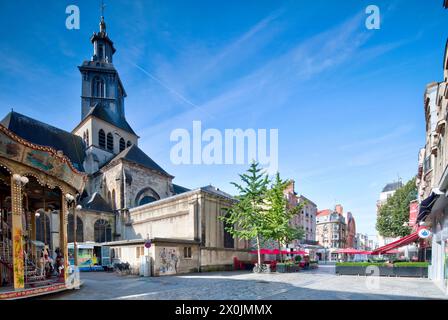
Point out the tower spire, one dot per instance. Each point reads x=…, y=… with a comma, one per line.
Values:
x=102, y=22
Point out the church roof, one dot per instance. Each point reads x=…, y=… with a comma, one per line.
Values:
x=44, y=134
x=216, y=191
x=136, y=155
x=179, y=189
x=392, y=186
x=96, y=203
x=99, y=112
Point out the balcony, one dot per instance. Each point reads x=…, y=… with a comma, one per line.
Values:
x=435, y=139
x=440, y=127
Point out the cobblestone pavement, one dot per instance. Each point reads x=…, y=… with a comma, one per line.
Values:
x=320, y=284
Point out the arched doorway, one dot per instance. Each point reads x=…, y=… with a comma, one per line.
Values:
x=102, y=231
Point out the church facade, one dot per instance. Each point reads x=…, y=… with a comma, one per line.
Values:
x=128, y=199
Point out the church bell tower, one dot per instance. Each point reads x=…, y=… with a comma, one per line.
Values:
x=103, y=123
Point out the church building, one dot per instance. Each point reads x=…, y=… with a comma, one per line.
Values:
x=128, y=199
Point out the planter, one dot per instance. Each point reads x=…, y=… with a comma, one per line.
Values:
x=281, y=268
x=351, y=270
x=416, y=272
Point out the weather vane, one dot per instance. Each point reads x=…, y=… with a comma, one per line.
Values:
x=102, y=8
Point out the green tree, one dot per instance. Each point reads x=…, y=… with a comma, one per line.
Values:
x=246, y=219
x=280, y=213
x=394, y=214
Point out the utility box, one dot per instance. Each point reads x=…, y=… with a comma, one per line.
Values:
x=145, y=266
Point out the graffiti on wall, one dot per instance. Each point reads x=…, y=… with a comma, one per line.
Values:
x=168, y=260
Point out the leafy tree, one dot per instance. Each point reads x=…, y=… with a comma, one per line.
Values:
x=279, y=214
x=394, y=214
x=246, y=219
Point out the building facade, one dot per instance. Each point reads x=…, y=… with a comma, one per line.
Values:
x=305, y=219
x=432, y=176
x=387, y=192
x=331, y=232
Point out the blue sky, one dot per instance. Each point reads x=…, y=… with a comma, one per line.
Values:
x=348, y=102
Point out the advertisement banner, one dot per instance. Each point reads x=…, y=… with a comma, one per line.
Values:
x=413, y=212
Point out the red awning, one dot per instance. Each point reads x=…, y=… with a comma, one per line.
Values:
x=269, y=251
x=352, y=251
x=298, y=252
x=398, y=243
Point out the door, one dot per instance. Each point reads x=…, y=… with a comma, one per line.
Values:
x=105, y=256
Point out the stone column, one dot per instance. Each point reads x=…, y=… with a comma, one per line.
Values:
x=55, y=227
x=63, y=224
x=17, y=234
x=32, y=234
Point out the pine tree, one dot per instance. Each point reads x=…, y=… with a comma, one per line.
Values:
x=246, y=219
x=279, y=214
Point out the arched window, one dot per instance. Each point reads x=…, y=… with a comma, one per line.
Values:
x=110, y=142
x=129, y=144
x=146, y=195
x=122, y=144
x=79, y=229
x=146, y=199
x=98, y=88
x=102, y=139
x=102, y=231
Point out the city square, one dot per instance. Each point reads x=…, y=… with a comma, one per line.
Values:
x=243, y=150
x=320, y=284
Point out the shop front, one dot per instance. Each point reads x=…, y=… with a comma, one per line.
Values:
x=439, y=265
x=37, y=188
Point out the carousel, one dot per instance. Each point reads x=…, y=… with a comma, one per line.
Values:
x=38, y=190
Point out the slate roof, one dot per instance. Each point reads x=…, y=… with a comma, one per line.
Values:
x=96, y=203
x=179, y=189
x=44, y=134
x=322, y=213
x=216, y=191
x=100, y=112
x=136, y=155
x=392, y=186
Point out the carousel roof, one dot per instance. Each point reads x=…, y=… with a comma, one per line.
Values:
x=46, y=135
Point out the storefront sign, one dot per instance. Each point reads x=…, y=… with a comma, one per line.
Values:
x=424, y=233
